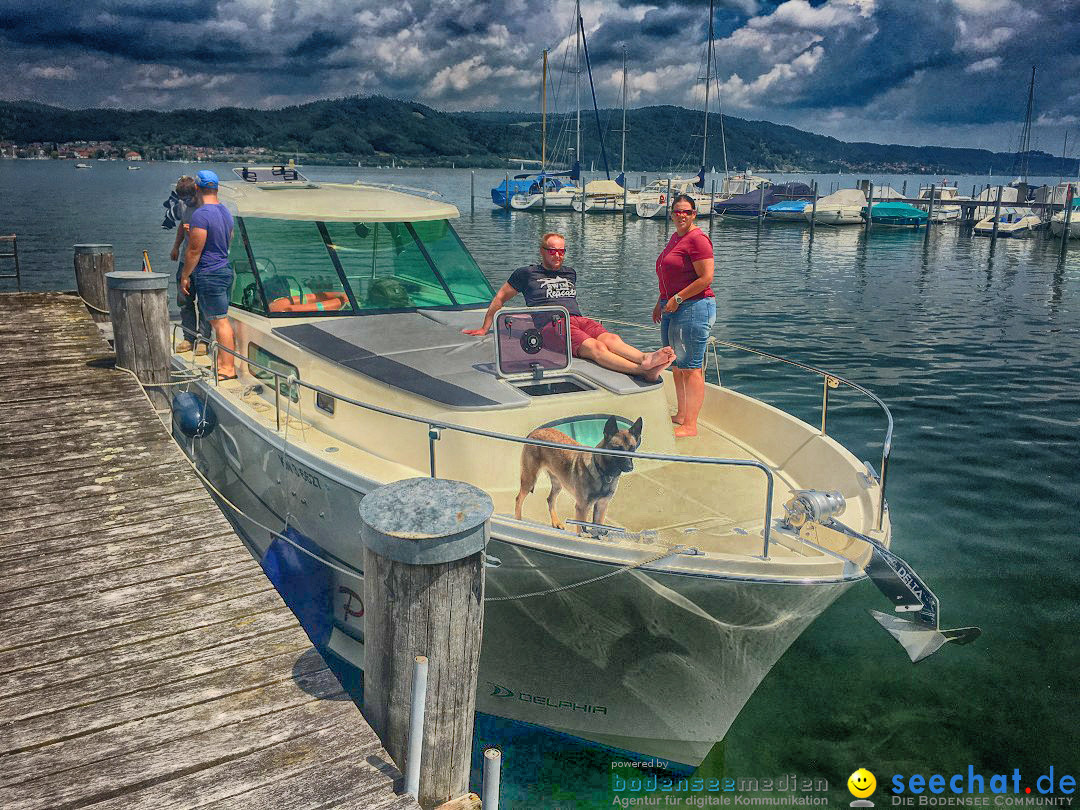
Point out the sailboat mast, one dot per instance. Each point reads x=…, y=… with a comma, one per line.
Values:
x=543, y=116
x=708, y=83
x=577, y=78
x=622, y=160
x=1025, y=138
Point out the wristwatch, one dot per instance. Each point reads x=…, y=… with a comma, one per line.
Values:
x=678, y=298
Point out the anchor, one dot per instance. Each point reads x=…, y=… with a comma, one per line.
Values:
x=813, y=514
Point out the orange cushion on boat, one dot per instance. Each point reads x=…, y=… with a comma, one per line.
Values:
x=309, y=302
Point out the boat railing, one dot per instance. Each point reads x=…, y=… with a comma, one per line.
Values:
x=830, y=381
x=436, y=426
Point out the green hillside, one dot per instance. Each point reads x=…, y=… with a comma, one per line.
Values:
x=374, y=129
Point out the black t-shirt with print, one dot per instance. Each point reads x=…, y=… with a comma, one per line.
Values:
x=543, y=287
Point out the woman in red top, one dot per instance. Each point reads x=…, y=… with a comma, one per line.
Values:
x=686, y=309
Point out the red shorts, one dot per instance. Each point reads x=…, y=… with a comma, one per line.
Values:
x=581, y=329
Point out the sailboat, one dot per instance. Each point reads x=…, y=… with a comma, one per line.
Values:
x=655, y=198
x=610, y=196
x=1023, y=154
x=549, y=190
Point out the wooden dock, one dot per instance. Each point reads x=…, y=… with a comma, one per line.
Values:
x=145, y=660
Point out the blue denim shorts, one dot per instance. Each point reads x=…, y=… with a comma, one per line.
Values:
x=687, y=331
x=212, y=290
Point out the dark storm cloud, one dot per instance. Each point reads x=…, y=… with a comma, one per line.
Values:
x=841, y=66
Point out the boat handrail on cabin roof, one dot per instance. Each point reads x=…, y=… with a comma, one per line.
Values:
x=330, y=202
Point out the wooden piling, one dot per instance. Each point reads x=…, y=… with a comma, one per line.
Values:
x=424, y=595
x=712, y=198
x=761, y=203
x=506, y=205
x=813, y=208
x=997, y=215
x=930, y=209
x=92, y=263
x=472, y=192
x=869, y=206
x=140, y=319
x=1066, y=219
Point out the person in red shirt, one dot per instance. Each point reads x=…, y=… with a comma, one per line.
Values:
x=686, y=309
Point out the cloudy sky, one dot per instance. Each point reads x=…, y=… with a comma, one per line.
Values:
x=949, y=72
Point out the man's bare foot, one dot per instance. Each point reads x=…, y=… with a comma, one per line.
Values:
x=652, y=373
x=682, y=431
x=660, y=357
x=678, y=420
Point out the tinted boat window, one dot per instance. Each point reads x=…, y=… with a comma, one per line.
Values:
x=385, y=266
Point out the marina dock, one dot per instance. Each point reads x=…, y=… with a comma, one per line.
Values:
x=145, y=659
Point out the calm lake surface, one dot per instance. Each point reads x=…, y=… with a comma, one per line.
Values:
x=976, y=351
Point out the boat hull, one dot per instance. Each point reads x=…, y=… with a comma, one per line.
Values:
x=655, y=662
x=1058, y=225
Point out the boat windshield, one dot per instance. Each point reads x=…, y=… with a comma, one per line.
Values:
x=291, y=268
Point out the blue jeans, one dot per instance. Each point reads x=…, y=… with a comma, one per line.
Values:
x=212, y=290
x=687, y=331
x=189, y=320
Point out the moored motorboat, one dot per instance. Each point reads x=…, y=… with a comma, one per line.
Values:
x=843, y=207
x=944, y=209
x=718, y=550
x=1014, y=221
x=788, y=211
x=753, y=204
x=894, y=215
x=1057, y=221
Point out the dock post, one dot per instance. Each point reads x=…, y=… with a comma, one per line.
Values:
x=424, y=595
x=997, y=216
x=472, y=192
x=761, y=204
x=667, y=206
x=712, y=198
x=92, y=262
x=1067, y=218
x=903, y=190
x=813, y=208
x=930, y=209
x=492, y=778
x=506, y=205
x=869, y=206
x=140, y=319
x=624, y=198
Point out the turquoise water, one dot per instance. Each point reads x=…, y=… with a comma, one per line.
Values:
x=974, y=348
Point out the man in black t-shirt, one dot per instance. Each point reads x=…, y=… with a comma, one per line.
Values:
x=550, y=283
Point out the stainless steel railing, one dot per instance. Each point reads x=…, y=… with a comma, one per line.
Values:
x=829, y=381
x=435, y=427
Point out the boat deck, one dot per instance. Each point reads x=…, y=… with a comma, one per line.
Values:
x=146, y=661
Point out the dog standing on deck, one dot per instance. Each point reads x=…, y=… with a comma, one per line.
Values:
x=591, y=477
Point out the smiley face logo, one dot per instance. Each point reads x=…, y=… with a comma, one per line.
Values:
x=861, y=783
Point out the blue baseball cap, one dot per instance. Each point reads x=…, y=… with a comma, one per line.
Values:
x=206, y=179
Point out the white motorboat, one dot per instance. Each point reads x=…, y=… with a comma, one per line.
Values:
x=990, y=196
x=546, y=193
x=348, y=307
x=1057, y=221
x=603, y=197
x=943, y=210
x=1012, y=221
x=843, y=207
x=83, y=166
x=653, y=200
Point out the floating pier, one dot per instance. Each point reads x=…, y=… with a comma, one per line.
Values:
x=145, y=659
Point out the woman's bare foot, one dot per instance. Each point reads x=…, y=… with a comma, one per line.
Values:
x=682, y=431
x=678, y=420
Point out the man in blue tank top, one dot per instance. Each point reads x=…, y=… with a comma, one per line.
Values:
x=206, y=266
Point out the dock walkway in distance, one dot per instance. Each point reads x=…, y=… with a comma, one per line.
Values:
x=145, y=659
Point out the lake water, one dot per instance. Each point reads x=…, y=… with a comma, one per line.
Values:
x=974, y=348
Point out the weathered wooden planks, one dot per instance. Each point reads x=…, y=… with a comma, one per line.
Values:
x=145, y=660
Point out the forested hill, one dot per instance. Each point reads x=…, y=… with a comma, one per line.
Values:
x=375, y=129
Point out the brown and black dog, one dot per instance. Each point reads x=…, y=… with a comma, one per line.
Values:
x=591, y=477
